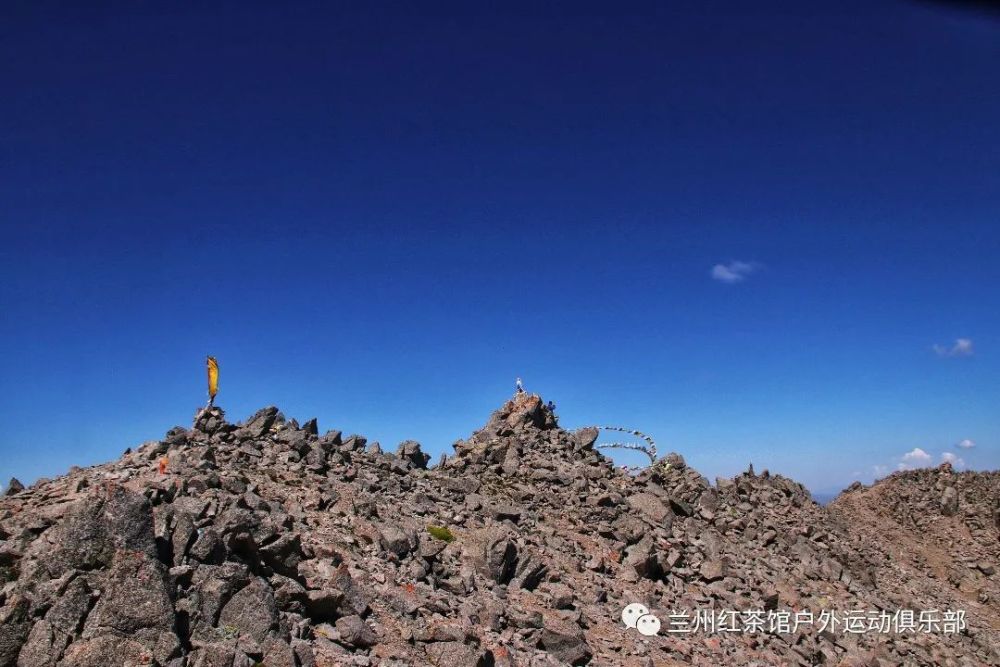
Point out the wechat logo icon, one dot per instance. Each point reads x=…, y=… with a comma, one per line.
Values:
x=637, y=616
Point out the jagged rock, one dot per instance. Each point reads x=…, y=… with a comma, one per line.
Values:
x=680, y=507
x=493, y=553
x=304, y=655
x=675, y=461
x=460, y=485
x=208, y=548
x=321, y=606
x=354, y=599
x=506, y=512
x=251, y=611
x=175, y=437
x=67, y=614
x=311, y=427
x=712, y=570
x=330, y=440
x=586, y=437
x=260, y=424
x=284, y=554
x=458, y=653
x=106, y=650
x=562, y=596
x=565, y=643
x=215, y=654
x=409, y=450
x=949, y=501
x=15, y=626
x=182, y=537
x=628, y=529
x=211, y=587
x=43, y=647
x=13, y=486
x=139, y=611
x=394, y=539
x=530, y=572
x=641, y=557
x=353, y=443
x=511, y=461
x=651, y=508
x=109, y=520
x=355, y=632
x=278, y=653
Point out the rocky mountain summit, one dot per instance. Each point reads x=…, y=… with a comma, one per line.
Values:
x=266, y=543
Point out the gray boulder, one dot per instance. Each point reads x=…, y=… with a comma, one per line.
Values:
x=135, y=600
x=14, y=628
x=949, y=501
x=409, y=450
x=355, y=632
x=251, y=611
x=13, y=486
x=565, y=643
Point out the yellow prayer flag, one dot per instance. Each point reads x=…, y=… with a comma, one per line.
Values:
x=213, y=378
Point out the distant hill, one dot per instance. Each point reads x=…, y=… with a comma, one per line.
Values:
x=822, y=497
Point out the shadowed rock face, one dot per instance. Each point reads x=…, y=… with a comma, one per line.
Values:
x=266, y=542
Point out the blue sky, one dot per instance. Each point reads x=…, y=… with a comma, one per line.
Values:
x=756, y=234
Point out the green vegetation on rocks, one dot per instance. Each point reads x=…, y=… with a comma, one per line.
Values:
x=441, y=533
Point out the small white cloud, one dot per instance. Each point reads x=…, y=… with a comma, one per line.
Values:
x=916, y=457
x=961, y=348
x=950, y=457
x=911, y=460
x=734, y=272
x=965, y=444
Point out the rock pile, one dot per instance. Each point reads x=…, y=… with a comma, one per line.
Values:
x=266, y=543
x=932, y=540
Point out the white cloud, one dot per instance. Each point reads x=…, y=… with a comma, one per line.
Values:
x=961, y=348
x=965, y=444
x=916, y=457
x=734, y=272
x=950, y=457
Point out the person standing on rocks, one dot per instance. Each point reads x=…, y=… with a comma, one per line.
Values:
x=518, y=387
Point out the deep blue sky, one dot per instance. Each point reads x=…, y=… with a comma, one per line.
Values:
x=381, y=217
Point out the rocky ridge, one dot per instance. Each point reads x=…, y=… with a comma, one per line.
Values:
x=267, y=543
